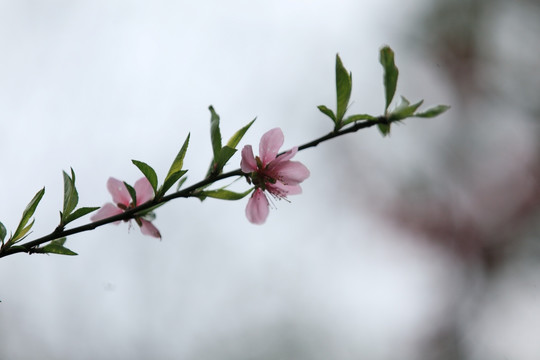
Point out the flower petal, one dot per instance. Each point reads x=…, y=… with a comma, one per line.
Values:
x=284, y=157
x=118, y=191
x=106, y=211
x=144, y=191
x=248, y=163
x=293, y=189
x=269, y=146
x=291, y=172
x=257, y=207
x=147, y=228
x=281, y=190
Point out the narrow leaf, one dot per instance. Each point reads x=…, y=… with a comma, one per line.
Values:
x=179, y=160
x=404, y=110
x=357, y=117
x=169, y=182
x=71, y=197
x=390, y=76
x=215, y=133
x=148, y=172
x=3, y=232
x=224, y=194
x=235, y=139
x=326, y=111
x=180, y=183
x=132, y=192
x=79, y=213
x=22, y=233
x=60, y=241
x=224, y=155
x=404, y=103
x=384, y=129
x=432, y=112
x=343, y=90
x=28, y=212
x=56, y=247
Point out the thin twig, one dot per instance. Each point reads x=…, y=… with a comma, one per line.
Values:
x=59, y=233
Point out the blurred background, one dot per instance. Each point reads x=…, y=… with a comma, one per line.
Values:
x=421, y=245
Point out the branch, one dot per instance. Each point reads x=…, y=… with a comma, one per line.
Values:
x=29, y=247
x=221, y=155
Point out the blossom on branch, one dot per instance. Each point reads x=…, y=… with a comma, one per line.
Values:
x=270, y=172
x=122, y=202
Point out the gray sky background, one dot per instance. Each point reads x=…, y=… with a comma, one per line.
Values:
x=94, y=84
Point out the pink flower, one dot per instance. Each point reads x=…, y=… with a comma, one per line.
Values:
x=271, y=172
x=122, y=199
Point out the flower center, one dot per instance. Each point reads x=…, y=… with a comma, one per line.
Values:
x=260, y=179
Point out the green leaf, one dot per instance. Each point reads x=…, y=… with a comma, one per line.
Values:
x=56, y=247
x=326, y=111
x=22, y=233
x=148, y=172
x=71, y=197
x=31, y=207
x=131, y=192
x=169, y=182
x=235, y=139
x=432, y=112
x=179, y=160
x=27, y=214
x=3, y=232
x=215, y=133
x=384, y=129
x=357, y=117
x=60, y=241
x=79, y=213
x=343, y=90
x=404, y=103
x=180, y=183
x=224, y=155
x=223, y=194
x=390, y=76
x=404, y=110
x=175, y=172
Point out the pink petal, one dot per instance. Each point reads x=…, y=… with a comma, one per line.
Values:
x=284, y=157
x=248, y=163
x=144, y=191
x=281, y=190
x=257, y=207
x=269, y=146
x=106, y=211
x=118, y=191
x=291, y=172
x=147, y=228
x=293, y=189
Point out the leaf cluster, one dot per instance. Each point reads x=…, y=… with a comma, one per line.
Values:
x=222, y=154
x=390, y=77
x=71, y=199
x=173, y=175
x=25, y=225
